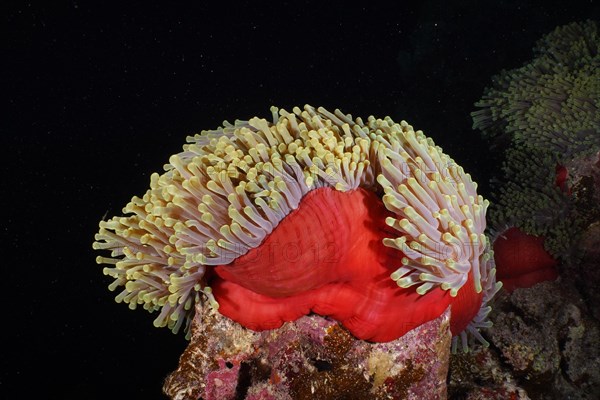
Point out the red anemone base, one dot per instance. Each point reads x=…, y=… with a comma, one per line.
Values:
x=522, y=261
x=327, y=257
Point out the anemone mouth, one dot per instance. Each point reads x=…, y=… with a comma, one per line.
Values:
x=230, y=188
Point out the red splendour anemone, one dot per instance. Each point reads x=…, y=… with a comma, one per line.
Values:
x=368, y=223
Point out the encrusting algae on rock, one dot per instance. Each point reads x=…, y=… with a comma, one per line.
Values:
x=311, y=358
x=367, y=222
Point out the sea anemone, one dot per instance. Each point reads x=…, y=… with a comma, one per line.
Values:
x=552, y=102
x=368, y=222
x=547, y=112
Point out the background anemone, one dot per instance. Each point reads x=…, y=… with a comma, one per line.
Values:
x=233, y=188
x=547, y=114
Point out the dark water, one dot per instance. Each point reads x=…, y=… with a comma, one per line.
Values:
x=95, y=99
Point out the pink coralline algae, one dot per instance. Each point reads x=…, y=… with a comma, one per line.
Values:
x=311, y=358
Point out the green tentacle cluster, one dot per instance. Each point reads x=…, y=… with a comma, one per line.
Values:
x=549, y=112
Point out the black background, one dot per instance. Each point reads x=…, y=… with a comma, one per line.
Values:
x=97, y=96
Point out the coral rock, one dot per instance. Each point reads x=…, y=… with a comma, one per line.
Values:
x=544, y=345
x=549, y=342
x=480, y=375
x=587, y=275
x=311, y=358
